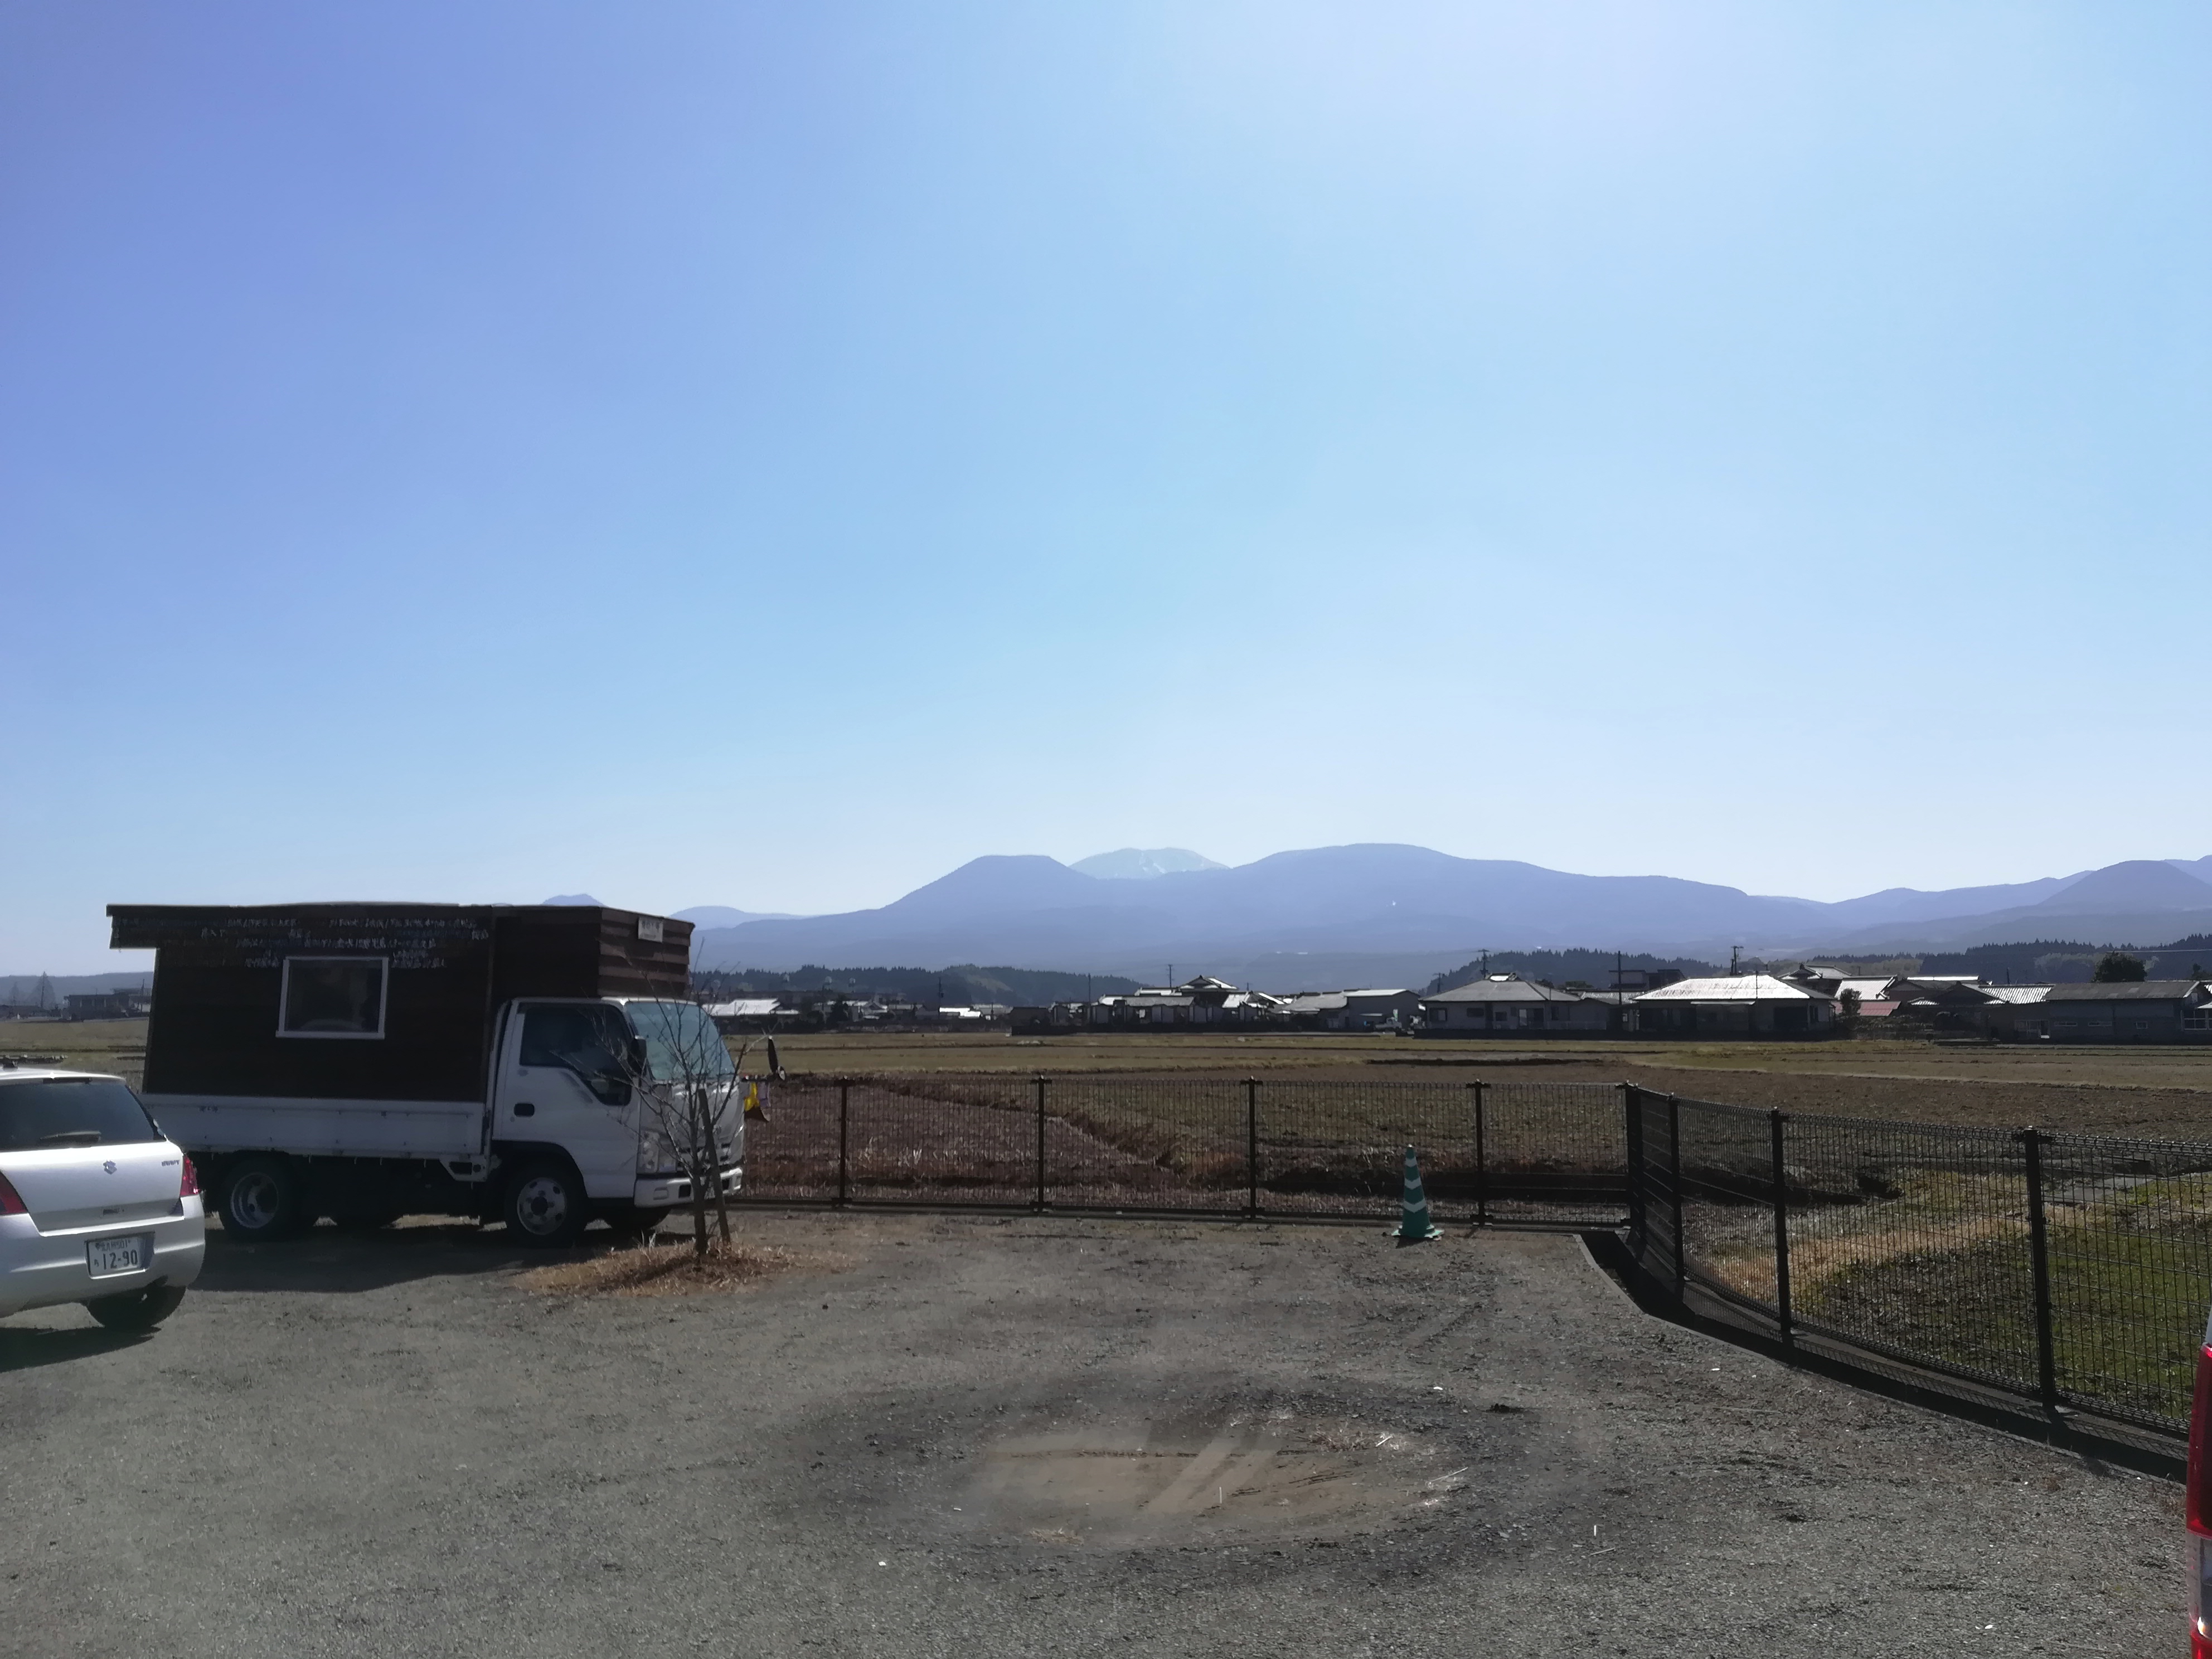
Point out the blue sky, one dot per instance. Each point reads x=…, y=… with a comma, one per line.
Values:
x=767, y=455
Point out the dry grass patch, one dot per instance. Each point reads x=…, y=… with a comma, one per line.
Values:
x=674, y=1270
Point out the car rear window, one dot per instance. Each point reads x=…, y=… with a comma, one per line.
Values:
x=55, y=1112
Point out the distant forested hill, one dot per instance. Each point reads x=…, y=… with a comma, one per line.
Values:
x=2066, y=962
x=933, y=986
x=1590, y=968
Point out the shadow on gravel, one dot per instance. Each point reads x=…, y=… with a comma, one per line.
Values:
x=25, y=1350
x=330, y=1260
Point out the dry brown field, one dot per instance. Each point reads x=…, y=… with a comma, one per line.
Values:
x=2162, y=1092
x=2165, y=1092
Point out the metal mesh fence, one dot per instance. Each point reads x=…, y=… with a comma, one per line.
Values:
x=1724, y=1177
x=793, y=1156
x=1123, y=1143
x=1914, y=1240
x=2128, y=1240
x=1337, y=1149
x=2070, y=1270
x=1541, y=1152
x=1552, y=1153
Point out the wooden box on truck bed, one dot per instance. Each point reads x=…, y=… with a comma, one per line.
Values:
x=220, y=979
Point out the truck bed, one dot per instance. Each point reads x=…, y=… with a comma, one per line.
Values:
x=438, y=1129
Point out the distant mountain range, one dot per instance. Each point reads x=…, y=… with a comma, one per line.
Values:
x=1382, y=912
x=1387, y=914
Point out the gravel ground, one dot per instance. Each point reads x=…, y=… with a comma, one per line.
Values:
x=945, y=1435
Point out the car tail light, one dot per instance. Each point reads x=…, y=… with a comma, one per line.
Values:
x=190, y=1189
x=2200, y=1505
x=10, y=1202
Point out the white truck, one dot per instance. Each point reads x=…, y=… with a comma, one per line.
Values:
x=539, y=1065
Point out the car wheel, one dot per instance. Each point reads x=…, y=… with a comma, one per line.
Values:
x=262, y=1200
x=136, y=1310
x=545, y=1206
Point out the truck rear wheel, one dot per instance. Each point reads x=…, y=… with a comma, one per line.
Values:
x=545, y=1206
x=262, y=1200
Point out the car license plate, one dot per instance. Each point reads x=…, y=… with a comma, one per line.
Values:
x=107, y=1257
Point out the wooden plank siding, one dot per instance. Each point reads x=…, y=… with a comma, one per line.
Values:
x=218, y=974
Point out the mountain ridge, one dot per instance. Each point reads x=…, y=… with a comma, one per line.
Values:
x=1409, y=904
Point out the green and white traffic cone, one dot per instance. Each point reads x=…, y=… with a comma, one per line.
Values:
x=1414, y=1226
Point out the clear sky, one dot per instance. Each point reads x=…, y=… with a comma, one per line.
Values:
x=767, y=455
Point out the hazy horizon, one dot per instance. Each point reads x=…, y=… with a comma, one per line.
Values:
x=723, y=454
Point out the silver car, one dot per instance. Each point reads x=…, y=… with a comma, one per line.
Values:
x=97, y=1205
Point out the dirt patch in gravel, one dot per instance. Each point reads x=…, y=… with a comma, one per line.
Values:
x=675, y=1269
x=1124, y=1480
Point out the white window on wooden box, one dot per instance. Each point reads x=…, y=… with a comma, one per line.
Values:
x=332, y=997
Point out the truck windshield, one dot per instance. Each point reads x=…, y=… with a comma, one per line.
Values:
x=681, y=1043
x=56, y=1112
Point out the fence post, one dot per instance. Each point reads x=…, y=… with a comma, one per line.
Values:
x=1251, y=1148
x=1775, y=1120
x=1674, y=1188
x=1481, y=1159
x=2038, y=1254
x=1632, y=1129
x=1040, y=1138
x=844, y=1093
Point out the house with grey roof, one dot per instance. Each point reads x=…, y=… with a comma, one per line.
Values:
x=1505, y=1004
x=1371, y=1010
x=2141, y=1010
x=1734, y=1006
x=1198, y=1005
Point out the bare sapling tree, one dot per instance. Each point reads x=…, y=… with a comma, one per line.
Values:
x=692, y=1098
x=686, y=1090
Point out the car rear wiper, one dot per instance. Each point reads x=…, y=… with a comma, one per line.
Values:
x=71, y=1137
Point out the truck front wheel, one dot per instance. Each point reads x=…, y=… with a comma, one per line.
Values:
x=262, y=1200
x=545, y=1206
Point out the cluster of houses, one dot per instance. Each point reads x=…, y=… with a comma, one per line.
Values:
x=83, y=1004
x=747, y=1016
x=2137, y=1010
x=1809, y=1001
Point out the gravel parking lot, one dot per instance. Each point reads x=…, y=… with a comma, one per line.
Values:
x=947, y=1434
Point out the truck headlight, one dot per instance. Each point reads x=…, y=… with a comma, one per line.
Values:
x=656, y=1153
